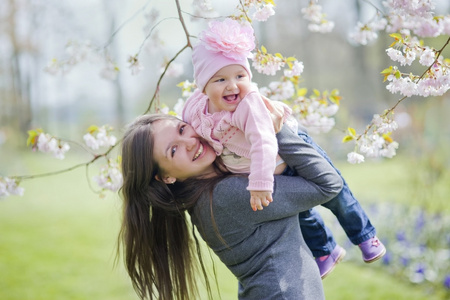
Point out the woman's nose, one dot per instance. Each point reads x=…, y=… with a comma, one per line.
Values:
x=190, y=143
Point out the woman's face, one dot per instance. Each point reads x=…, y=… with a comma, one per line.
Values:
x=180, y=152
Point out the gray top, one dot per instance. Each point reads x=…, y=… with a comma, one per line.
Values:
x=265, y=249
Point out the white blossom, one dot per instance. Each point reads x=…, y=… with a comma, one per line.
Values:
x=99, y=138
x=110, y=71
x=91, y=141
x=427, y=58
x=53, y=67
x=178, y=107
x=278, y=91
x=297, y=69
x=135, y=65
x=390, y=150
x=396, y=55
x=263, y=13
x=313, y=13
x=110, y=177
x=164, y=110
x=445, y=23
x=317, y=123
x=270, y=67
x=355, y=158
x=384, y=125
x=10, y=186
x=174, y=70
x=366, y=33
x=49, y=144
x=324, y=27
x=203, y=9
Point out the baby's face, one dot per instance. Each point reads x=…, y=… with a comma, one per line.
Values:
x=227, y=88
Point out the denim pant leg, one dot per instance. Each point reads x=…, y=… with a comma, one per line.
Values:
x=345, y=207
x=318, y=237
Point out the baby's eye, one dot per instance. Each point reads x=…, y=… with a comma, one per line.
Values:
x=220, y=80
x=181, y=130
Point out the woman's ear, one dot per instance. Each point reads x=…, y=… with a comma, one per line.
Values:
x=166, y=179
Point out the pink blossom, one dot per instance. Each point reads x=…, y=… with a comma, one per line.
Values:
x=232, y=39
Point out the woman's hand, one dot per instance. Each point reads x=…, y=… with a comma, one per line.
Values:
x=276, y=111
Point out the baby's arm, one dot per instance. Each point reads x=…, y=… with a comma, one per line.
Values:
x=254, y=120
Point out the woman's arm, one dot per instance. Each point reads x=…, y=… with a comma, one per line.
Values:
x=296, y=152
x=317, y=183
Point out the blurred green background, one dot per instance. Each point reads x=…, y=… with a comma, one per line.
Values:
x=58, y=240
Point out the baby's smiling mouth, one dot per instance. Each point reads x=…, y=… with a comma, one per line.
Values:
x=199, y=152
x=231, y=97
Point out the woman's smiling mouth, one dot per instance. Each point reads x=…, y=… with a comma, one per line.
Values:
x=199, y=152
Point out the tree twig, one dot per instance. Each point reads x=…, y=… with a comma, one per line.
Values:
x=403, y=98
x=125, y=23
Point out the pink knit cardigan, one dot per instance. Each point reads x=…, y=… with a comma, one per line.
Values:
x=248, y=132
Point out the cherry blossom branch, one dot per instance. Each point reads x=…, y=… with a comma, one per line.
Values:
x=106, y=153
x=438, y=53
x=78, y=144
x=60, y=171
x=388, y=111
x=244, y=11
x=161, y=77
x=183, y=24
x=196, y=16
x=188, y=45
x=151, y=31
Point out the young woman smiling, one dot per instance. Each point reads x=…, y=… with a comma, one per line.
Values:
x=170, y=173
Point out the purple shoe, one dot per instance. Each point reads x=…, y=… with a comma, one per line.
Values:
x=372, y=249
x=327, y=263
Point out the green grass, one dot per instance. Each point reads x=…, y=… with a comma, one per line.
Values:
x=351, y=282
x=58, y=240
x=405, y=180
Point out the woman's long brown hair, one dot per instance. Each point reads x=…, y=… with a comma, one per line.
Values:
x=161, y=252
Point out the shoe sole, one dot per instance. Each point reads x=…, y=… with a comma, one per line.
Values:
x=376, y=257
x=338, y=260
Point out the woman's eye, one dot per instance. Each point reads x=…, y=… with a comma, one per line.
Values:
x=172, y=151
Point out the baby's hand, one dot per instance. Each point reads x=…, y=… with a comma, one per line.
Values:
x=259, y=199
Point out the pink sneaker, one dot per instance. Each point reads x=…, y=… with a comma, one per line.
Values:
x=327, y=263
x=372, y=249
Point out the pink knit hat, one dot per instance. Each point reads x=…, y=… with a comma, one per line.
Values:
x=224, y=43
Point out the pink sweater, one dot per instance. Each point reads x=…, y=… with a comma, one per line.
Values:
x=248, y=132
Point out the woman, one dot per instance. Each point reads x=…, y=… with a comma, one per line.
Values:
x=168, y=171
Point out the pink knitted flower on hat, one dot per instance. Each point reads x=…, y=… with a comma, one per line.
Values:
x=232, y=39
